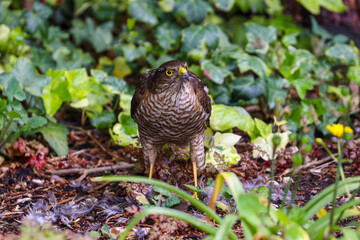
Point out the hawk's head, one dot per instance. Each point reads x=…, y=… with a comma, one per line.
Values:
x=171, y=73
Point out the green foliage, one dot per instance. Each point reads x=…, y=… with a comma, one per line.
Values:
x=251, y=210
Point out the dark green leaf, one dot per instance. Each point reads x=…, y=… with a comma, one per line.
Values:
x=13, y=114
x=116, y=85
x=131, y=52
x=215, y=73
x=253, y=63
x=276, y=91
x=3, y=103
x=341, y=53
x=316, y=29
x=103, y=121
x=28, y=79
x=248, y=87
x=168, y=35
x=302, y=85
x=33, y=123
x=259, y=38
x=144, y=11
x=162, y=191
x=225, y=5
x=194, y=11
x=14, y=90
x=56, y=135
x=194, y=35
x=172, y=201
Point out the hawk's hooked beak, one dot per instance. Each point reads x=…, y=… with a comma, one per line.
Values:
x=184, y=74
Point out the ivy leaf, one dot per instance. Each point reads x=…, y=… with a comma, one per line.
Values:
x=25, y=74
x=121, y=138
x=259, y=38
x=168, y=35
x=131, y=52
x=316, y=29
x=14, y=90
x=215, y=73
x=256, y=6
x=102, y=121
x=102, y=39
x=56, y=135
x=4, y=37
x=194, y=35
x=353, y=74
x=225, y=5
x=333, y=5
x=194, y=11
x=302, y=85
x=114, y=85
x=312, y=6
x=341, y=53
x=33, y=123
x=78, y=83
x=276, y=91
x=253, y=63
x=264, y=129
x=56, y=92
x=121, y=68
x=248, y=87
x=225, y=118
x=42, y=59
x=171, y=201
x=144, y=11
x=127, y=124
x=3, y=104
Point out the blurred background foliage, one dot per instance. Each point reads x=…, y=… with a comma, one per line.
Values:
x=267, y=57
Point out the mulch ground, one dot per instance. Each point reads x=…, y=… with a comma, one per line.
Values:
x=70, y=200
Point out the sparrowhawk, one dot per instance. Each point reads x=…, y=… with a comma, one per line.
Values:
x=170, y=105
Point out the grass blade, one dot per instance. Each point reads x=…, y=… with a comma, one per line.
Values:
x=225, y=226
x=170, y=213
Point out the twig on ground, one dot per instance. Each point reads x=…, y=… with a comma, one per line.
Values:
x=86, y=171
x=75, y=153
x=305, y=166
x=95, y=140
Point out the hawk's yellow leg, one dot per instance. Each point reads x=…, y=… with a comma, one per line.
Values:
x=151, y=170
x=195, y=179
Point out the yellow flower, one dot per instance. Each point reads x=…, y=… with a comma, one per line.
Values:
x=336, y=129
x=348, y=130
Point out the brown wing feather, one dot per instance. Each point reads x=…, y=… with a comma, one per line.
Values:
x=201, y=94
x=140, y=90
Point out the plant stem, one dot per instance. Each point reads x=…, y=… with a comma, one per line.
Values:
x=287, y=188
x=293, y=194
x=5, y=129
x=82, y=118
x=341, y=168
x=336, y=187
x=116, y=103
x=271, y=181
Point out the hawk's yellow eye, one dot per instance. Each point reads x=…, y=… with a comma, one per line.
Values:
x=169, y=72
